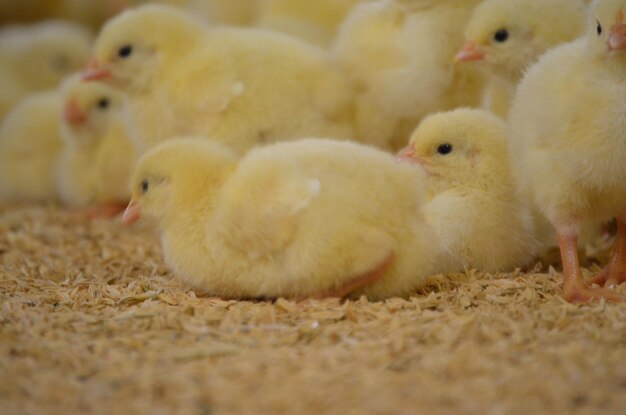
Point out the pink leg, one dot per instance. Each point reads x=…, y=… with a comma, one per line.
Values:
x=574, y=289
x=615, y=272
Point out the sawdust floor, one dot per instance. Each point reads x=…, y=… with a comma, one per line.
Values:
x=92, y=322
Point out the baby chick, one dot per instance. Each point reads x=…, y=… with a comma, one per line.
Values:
x=308, y=218
x=29, y=147
x=507, y=36
x=568, y=121
x=399, y=55
x=37, y=57
x=315, y=21
x=242, y=87
x=98, y=157
x=481, y=222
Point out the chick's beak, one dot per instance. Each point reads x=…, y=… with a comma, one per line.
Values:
x=95, y=72
x=617, y=37
x=72, y=113
x=132, y=213
x=408, y=154
x=469, y=52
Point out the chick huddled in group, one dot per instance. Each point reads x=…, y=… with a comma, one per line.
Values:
x=568, y=122
x=315, y=21
x=507, y=36
x=37, y=57
x=29, y=147
x=239, y=86
x=473, y=206
x=400, y=57
x=308, y=218
x=98, y=157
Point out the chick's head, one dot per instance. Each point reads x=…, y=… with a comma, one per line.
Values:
x=606, y=34
x=178, y=177
x=51, y=51
x=134, y=46
x=505, y=36
x=463, y=149
x=88, y=110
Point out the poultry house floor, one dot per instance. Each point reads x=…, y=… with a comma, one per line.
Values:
x=92, y=322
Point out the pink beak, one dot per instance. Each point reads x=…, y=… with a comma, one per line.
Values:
x=95, y=72
x=617, y=37
x=469, y=52
x=408, y=154
x=132, y=213
x=72, y=113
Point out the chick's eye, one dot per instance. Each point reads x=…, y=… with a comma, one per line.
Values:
x=125, y=51
x=144, y=186
x=444, y=149
x=599, y=28
x=103, y=103
x=501, y=35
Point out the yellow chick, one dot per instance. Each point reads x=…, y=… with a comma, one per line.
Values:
x=29, y=147
x=315, y=21
x=479, y=218
x=507, y=36
x=308, y=218
x=37, y=57
x=242, y=87
x=97, y=160
x=568, y=121
x=399, y=55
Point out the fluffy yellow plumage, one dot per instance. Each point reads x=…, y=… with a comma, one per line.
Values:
x=315, y=21
x=568, y=121
x=98, y=157
x=314, y=217
x=400, y=57
x=29, y=147
x=242, y=87
x=507, y=36
x=37, y=57
x=473, y=206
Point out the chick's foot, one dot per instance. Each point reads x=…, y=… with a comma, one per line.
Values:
x=574, y=288
x=614, y=273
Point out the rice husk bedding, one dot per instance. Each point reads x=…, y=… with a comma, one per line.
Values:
x=91, y=321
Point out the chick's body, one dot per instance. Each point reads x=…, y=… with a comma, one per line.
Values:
x=473, y=205
x=239, y=86
x=400, y=58
x=29, y=147
x=98, y=156
x=568, y=121
x=315, y=21
x=291, y=219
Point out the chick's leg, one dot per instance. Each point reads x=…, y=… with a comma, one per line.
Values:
x=359, y=282
x=615, y=272
x=574, y=289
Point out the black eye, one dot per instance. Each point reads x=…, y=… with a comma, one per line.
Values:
x=599, y=28
x=103, y=103
x=501, y=35
x=144, y=186
x=444, y=149
x=125, y=51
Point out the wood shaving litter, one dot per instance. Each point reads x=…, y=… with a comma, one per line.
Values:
x=91, y=321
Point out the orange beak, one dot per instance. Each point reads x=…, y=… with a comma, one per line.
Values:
x=408, y=154
x=95, y=72
x=469, y=52
x=72, y=113
x=132, y=213
x=617, y=36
